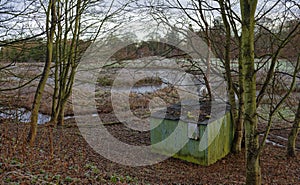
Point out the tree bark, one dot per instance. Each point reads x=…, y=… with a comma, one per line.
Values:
x=253, y=172
x=291, y=147
x=61, y=115
x=68, y=56
x=50, y=28
x=238, y=134
x=239, y=130
x=58, y=49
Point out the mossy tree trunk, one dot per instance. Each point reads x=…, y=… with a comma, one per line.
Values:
x=237, y=115
x=58, y=48
x=291, y=147
x=50, y=29
x=67, y=54
x=253, y=171
x=239, y=122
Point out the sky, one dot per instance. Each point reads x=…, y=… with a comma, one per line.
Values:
x=136, y=19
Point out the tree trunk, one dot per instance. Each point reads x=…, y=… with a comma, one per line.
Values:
x=68, y=56
x=50, y=27
x=291, y=148
x=253, y=172
x=61, y=115
x=238, y=134
x=58, y=49
x=239, y=130
x=208, y=67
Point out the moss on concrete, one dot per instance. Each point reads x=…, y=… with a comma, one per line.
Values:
x=169, y=137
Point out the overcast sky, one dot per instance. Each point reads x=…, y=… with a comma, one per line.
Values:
x=136, y=19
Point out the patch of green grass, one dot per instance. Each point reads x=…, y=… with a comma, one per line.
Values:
x=68, y=179
x=121, y=179
x=105, y=81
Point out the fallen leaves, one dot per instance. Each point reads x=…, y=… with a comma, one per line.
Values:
x=74, y=162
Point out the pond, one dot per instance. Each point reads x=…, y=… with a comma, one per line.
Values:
x=142, y=89
x=22, y=115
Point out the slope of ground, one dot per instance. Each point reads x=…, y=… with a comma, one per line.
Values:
x=75, y=162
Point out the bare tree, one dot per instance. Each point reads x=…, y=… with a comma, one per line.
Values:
x=15, y=34
x=291, y=147
x=69, y=49
x=64, y=28
x=66, y=54
x=235, y=86
x=194, y=13
x=240, y=34
x=51, y=21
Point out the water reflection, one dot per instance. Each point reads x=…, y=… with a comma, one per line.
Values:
x=22, y=115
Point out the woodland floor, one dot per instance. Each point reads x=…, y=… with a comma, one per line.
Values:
x=75, y=162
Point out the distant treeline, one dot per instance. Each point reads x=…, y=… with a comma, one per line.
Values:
x=265, y=43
